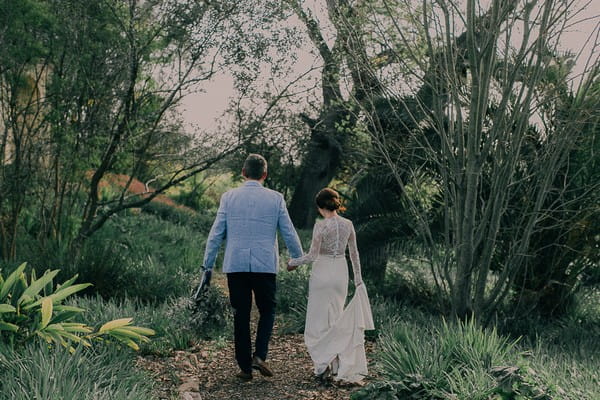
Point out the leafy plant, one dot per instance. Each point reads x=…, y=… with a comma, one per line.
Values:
x=32, y=308
x=37, y=371
x=292, y=296
x=139, y=256
x=211, y=316
x=440, y=362
x=169, y=321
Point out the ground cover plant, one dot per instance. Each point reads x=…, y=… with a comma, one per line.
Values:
x=37, y=371
x=141, y=256
x=32, y=308
x=179, y=325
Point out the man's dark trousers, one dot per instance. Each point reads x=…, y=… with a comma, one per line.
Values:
x=241, y=286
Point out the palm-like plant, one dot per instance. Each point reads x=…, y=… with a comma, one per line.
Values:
x=32, y=308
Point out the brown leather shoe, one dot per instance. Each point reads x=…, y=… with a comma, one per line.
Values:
x=261, y=366
x=244, y=376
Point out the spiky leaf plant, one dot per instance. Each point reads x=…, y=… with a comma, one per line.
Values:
x=33, y=308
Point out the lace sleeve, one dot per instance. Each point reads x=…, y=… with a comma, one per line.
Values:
x=354, y=257
x=315, y=247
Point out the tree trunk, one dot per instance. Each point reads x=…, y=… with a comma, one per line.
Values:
x=319, y=166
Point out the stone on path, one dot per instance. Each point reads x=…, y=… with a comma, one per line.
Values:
x=191, y=396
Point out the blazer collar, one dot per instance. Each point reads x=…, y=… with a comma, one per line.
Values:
x=252, y=184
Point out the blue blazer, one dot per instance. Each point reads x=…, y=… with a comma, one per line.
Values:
x=248, y=219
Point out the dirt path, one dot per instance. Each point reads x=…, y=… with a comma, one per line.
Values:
x=207, y=371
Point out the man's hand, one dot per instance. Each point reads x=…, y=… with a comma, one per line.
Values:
x=291, y=267
x=206, y=276
x=203, y=285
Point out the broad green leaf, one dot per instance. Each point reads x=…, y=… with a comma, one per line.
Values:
x=10, y=281
x=46, y=336
x=37, y=285
x=67, y=283
x=7, y=326
x=127, y=333
x=126, y=340
x=60, y=295
x=74, y=309
x=54, y=327
x=46, y=312
x=116, y=323
x=68, y=336
x=141, y=330
x=60, y=317
x=76, y=327
x=6, y=308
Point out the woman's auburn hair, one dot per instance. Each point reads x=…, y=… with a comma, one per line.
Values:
x=329, y=199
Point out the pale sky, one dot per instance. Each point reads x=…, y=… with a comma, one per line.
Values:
x=205, y=108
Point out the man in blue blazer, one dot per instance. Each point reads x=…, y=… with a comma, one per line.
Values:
x=248, y=218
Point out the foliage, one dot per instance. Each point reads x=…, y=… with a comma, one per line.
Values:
x=211, y=315
x=505, y=187
x=94, y=92
x=176, y=324
x=31, y=309
x=140, y=256
x=203, y=191
x=421, y=356
x=410, y=281
x=37, y=371
x=292, y=296
x=199, y=221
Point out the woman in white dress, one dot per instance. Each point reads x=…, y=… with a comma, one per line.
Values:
x=334, y=335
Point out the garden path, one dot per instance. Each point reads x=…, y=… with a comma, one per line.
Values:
x=206, y=372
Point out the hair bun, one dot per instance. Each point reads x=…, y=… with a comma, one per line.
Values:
x=329, y=199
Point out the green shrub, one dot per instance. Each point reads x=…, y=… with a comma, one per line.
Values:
x=384, y=311
x=140, y=256
x=175, y=321
x=292, y=296
x=37, y=371
x=408, y=280
x=211, y=315
x=199, y=220
x=32, y=308
x=446, y=360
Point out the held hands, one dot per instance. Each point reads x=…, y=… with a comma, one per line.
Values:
x=291, y=267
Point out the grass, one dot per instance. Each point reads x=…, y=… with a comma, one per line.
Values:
x=101, y=373
x=143, y=265
x=140, y=256
x=292, y=295
x=177, y=325
x=422, y=356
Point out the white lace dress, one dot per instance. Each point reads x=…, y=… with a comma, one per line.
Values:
x=334, y=335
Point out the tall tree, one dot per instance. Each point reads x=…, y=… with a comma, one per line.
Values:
x=24, y=70
x=470, y=125
x=332, y=129
x=94, y=92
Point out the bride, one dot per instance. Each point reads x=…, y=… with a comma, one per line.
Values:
x=334, y=335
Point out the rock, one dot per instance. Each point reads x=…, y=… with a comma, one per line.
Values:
x=189, y=386
x=190, y=396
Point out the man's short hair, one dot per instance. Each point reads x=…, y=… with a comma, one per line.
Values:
x=255, y=166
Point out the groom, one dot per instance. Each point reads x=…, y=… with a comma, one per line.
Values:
x=249, y=217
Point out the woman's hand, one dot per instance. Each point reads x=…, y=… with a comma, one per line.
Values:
x=291, y=267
